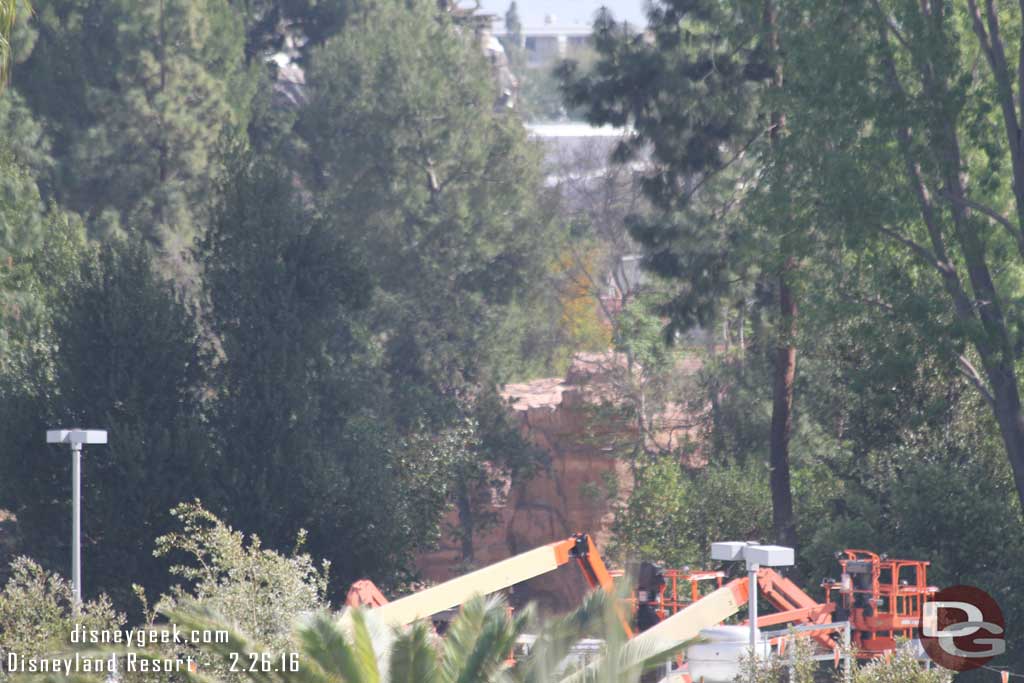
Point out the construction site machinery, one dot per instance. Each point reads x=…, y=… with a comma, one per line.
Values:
x=878, y=599
x=578, y=548
x=792, y=603
x=881, y=597
x=659, y=593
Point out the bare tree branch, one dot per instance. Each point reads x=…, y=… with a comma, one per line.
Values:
x=991, y=213
x=920, y=250
x=990, y=38
x=891, y=24
x=938, y=257
x=732, y=160
x=968, y=370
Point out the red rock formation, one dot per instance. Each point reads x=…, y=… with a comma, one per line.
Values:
x=572, y=494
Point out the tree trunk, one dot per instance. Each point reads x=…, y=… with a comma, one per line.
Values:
x=782, y=417
x=785, y=353
x=464, y=508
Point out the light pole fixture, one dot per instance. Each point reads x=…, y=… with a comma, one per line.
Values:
x=75, y=438
x=756, y=556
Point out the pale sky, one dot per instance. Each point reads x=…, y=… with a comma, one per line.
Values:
x=532, y=12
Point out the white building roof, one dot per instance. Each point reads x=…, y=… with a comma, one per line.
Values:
x=567, y=12
x=552, y=30
x=572, y=129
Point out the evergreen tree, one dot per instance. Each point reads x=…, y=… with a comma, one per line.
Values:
x=441, y=197
x=437, y=192
x=298, y=405
x=513, y=26
x=700, y=94
x=25, y=139
x=139, y=94
x=308, y=23
x=148, y=157
x=126, y=357
x=23, y=226
x=75, y=50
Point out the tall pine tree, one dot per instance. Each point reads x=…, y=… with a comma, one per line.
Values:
x=139, y=94
x=695, y=95
x=443, y=199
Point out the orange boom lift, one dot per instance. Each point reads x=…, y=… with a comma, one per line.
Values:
x=882, y=599
x=578, y=548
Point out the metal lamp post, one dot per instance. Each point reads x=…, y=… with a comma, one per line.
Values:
x=75, y=438
x=755, y=556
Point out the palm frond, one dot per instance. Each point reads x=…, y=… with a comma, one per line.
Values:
x=413, y=657
x=597, y=616
x=637, y=656
x=479, y=641
x=343, y=657
x=200, y=619
x=556, y=639
x=8, y=16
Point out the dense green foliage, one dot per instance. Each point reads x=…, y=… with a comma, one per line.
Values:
x=137, y=95
x=36, y=613
x=296, y=408
x=881, y=177
x=188, y=261
x=286, y=252
x=437, y=195
x=138, y=372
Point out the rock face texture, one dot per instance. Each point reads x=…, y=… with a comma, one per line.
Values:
x=569, y=419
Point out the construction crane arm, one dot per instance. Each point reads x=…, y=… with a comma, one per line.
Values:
x=499, y=576
x=793, y=603
x=712, y=609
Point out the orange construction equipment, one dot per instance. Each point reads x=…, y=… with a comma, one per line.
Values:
x=882, y=598
x=498, y=576
x=364, y=593
x=792, y=603
x=673, y=590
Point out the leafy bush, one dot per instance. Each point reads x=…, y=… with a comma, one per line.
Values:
x=254, y=589
x=674, y=515
x=901, y=667
x=36, y=615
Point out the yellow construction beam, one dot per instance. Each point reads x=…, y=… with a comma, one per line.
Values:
x=713, y=608
x=480, y=582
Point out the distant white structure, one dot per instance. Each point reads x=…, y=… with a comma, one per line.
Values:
x=575, y=150
x=572, y=129
x=533, y=12
x=290, y=78
x=550, y=41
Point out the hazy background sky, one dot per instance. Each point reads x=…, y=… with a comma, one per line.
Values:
x=532, y=12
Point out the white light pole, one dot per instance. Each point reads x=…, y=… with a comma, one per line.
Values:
x=755, y=556
x=75, y=438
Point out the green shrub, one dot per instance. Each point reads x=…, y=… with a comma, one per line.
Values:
x=36, y=616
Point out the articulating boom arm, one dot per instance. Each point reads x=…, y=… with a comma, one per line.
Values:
x=794, y=605
x=499, y=576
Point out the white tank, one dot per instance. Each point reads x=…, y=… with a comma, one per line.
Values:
x=717, y=660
